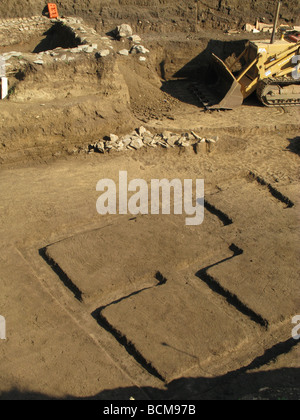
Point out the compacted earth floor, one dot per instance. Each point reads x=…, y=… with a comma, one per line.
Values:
x=144, y=306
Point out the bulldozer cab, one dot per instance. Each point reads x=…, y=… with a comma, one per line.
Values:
x=224, y=91
x=227, y=84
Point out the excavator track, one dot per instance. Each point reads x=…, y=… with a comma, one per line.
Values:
x=279, y=91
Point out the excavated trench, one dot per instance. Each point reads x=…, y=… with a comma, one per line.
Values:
x=92, y=100
x=191, y=58
x=182, y=70
x=37, y=37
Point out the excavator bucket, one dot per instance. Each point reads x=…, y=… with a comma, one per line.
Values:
x=224, y=92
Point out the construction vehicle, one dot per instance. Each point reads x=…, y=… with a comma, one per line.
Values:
x=269, y=68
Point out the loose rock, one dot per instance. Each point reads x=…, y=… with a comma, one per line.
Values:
x=142, y=130
x=124, y=31
x=141, y=137
x=103, y=53
x=113, y=138
x=124, y=52
x=139, y=49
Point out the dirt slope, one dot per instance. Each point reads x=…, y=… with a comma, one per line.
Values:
x=118, y=306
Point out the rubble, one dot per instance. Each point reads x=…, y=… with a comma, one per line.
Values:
x=14, y=31
x=263, y=27
x=113, y=138
x=103, y=53
x=123, y=31
x=135, y=38
x=137, y=143
x=123, y=52
x=139, y=49
x=142, y=130
x=84, y=40
x=201, y=140
x=142, y=137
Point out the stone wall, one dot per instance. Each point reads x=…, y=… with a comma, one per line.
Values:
x=15, y=31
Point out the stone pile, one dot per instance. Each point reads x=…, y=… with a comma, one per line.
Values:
x=142, y=137
x=87, y=39
x=84, y=34
x=124, y=32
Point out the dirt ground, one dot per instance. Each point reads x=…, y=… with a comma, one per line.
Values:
x=143, y=306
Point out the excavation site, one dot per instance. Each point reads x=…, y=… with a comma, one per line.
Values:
x=149, y=181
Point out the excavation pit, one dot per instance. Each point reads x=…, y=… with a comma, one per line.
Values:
x=36, y=35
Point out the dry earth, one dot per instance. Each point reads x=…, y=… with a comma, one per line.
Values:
x=112, y=307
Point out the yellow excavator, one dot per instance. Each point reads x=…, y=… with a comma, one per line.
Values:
x=269, y=68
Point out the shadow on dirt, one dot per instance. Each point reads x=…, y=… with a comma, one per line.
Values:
x=243, y=383
x=201, y=70
x=294, y=145
x=281, y=384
